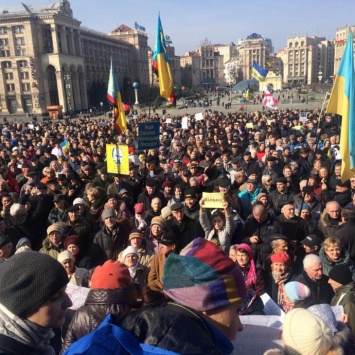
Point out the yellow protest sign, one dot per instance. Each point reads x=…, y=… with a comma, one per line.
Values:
x=213, y=199
x=250, y=125
x=117, y=159
x=297, y=128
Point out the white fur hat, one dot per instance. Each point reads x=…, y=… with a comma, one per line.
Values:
x=129, y=250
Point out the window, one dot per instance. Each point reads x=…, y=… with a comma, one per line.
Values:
x=18, y=29
x=21, y=52
x=9, y=76
x=24, y=75
x=25, y=87
x=10, y=87
x=3, y=30
x=5, y=53
x=19, y=41
x=4, y=42
x=22, y=63
x=6, y=65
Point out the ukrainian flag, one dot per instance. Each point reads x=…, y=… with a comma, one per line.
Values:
x=342, y=102
x=65, y=144
x=161, y=66
x=258, y=72
x=114, y=98
x=247, y=91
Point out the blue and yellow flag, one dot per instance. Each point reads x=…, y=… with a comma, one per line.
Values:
x=258, y=72
x=247, y=91
x=161, y=66
x=114, y=99
x=342, y=102
x=65, y=144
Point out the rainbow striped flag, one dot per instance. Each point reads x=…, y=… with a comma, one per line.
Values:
x=114, y=99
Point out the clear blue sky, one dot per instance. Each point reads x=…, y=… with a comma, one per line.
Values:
x=188, y=22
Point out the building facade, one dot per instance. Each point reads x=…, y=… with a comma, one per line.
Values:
x=48, y=59
x=341, y=36
x=307, y=60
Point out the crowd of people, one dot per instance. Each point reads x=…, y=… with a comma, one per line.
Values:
x=149, y=249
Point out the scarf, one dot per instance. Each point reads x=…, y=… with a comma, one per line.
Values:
x=251, y=277
x=280, y=282
x=133, y=270
x=26, y=332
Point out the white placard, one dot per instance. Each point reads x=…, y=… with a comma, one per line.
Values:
x=260, y=333
x=270, y=307
x=199, y=116
x=77, y=295
x=168, y=121
x=338, y=312
x=185, y=123
x=303, y=116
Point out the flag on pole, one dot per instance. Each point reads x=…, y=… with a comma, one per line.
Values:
x=342, y=102
x=247, y=91
x=269, y=100
x=161, y=66
x=65, y=144
x=114, y=99
x=258, y=72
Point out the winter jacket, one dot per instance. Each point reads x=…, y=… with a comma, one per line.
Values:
x=325, y=226
x=321, y=291
x=278, y=198
x=193, y=212
x=224, y=235
x=259, y=285
x=98, y=304
x=315, y=206
x=245, y=195
x=176, y=328
x=10, y=346
x=345, y=232
x=345, y=296
x=344, y=260
x=295, y=228
x=49, y=249
x=264, y=231
x=112, y=244
x=156, y=273
x=145, y=256
x=79, y=277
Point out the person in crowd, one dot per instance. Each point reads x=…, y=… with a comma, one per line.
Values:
x=83, y=260
x=345, y=231
x=53, y=244
x=140, y=216
x=280, y=274
x=191, y=209
x=311, y=244
x=220, y=230
x=6, y=247
x=138, y=271
x=111, y=291
x=330, y=219
x=332, y=253
x=167, y=246
x=253, y=276
x=313, y=277
x=32, y=302
x=138, y=242
x=77, y=276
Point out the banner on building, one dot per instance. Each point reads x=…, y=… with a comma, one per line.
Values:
x=148, y=135
x=117, y=159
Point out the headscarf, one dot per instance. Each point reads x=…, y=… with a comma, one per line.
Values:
x=251, y=277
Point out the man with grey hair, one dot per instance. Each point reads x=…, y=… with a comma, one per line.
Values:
x=330, y=219
x=313, y=277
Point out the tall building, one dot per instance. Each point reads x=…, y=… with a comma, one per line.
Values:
x=253, y=48
x=47, y=58
x=232, y=71
x=307, y=60
x=190, y=70
x=227, y=50
x=341, y=36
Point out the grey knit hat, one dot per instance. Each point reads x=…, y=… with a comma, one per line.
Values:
x=28, y=280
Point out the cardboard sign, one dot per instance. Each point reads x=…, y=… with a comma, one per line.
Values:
x=250, y=125
x=148, y=135
x=185, y=122
x=213, y=199
x=117, y=159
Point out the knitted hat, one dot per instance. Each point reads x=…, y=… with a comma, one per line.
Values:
x=203, y=277
x=165, y=212
x=297, y=291
x=4, y=240
x=107, y=213
x=325, y=312
x=135, y=233
x=304, y=333
x=260, y=195
x=139, y=208
x=22, y=241
x=72, y=239
x=111, y=275
x=341, y=274
x=65, y=255
x=129, y=250
x=55, y=227
x=282, y=258
x=18, y=211
x=28, y=280
x=159, y=221
x=79, y=201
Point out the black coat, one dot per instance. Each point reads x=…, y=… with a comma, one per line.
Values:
x=175, y=328
x=10, y=346
x=321, y=291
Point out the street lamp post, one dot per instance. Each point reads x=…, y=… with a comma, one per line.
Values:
x=135, y=88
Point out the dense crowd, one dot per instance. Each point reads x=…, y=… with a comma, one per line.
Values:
x=286, y=225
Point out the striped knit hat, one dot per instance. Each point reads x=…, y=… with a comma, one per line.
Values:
x=203, y=277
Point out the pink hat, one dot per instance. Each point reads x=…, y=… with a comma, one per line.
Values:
x=139, y=208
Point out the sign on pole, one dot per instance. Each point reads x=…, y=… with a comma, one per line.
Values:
x=117, y=159
x=148, y=135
